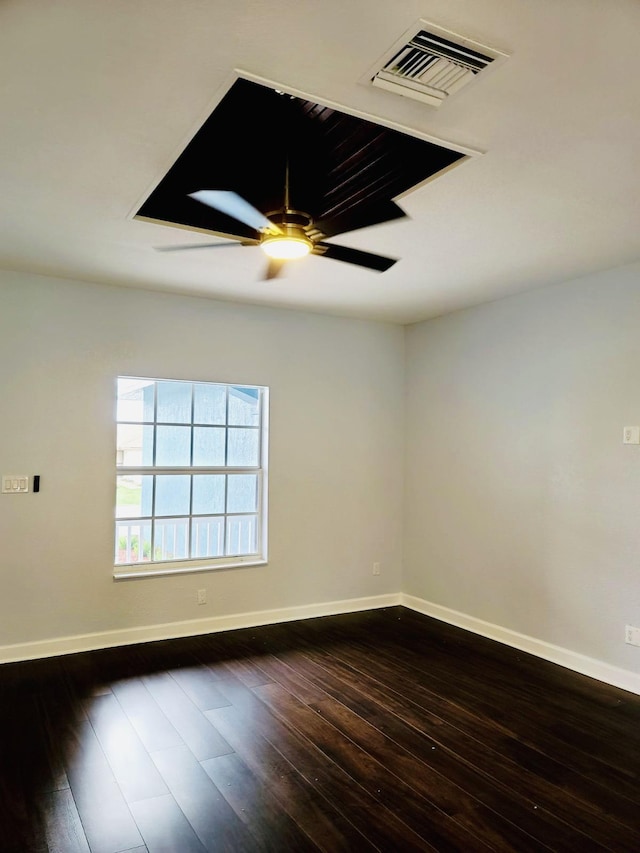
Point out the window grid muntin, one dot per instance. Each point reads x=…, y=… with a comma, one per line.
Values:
x=191, y=427
x=192, y=470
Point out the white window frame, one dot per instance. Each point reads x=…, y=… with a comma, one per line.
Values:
x=152, y=567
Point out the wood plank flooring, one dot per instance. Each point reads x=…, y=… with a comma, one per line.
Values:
x=383, y=730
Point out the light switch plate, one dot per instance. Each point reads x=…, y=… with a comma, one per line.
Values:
x=15, y=484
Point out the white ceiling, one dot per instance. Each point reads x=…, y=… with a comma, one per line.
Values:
x=98, y=99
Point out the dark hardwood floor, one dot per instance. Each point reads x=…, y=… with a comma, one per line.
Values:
x=383, y=730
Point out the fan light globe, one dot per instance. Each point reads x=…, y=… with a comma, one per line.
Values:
x=287, y=247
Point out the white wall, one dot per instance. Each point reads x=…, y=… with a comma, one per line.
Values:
x=335, y=452
x=522, y=506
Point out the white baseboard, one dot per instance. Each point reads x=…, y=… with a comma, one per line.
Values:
x=591, y=667
x=188, y=628
x=599, y=670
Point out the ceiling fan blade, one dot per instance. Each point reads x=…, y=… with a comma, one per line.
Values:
x=274, y=268
x=359, y=217
x=354, y=256
x=187, y=246
x=235, y=206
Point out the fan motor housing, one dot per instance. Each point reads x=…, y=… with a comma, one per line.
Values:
x=285, y=217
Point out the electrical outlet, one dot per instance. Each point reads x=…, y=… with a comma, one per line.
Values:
x=202, y=596
x=376, y=568
x=631, y=435
x=632, y=635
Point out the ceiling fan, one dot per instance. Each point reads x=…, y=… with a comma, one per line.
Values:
x=286, y=234
x=346, y=171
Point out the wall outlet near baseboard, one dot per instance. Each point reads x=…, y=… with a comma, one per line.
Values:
x=202, y=596
x=376, y=568
x=632, y=635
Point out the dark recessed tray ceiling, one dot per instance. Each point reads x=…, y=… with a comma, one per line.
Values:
x=344, y=171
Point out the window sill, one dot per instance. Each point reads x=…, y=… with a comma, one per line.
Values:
x=154, y=571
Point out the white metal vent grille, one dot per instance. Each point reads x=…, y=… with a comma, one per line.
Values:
x=430, y=67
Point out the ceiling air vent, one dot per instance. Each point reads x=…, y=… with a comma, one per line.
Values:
x=429, y=64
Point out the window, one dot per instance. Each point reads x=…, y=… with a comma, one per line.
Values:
x=190, y=475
